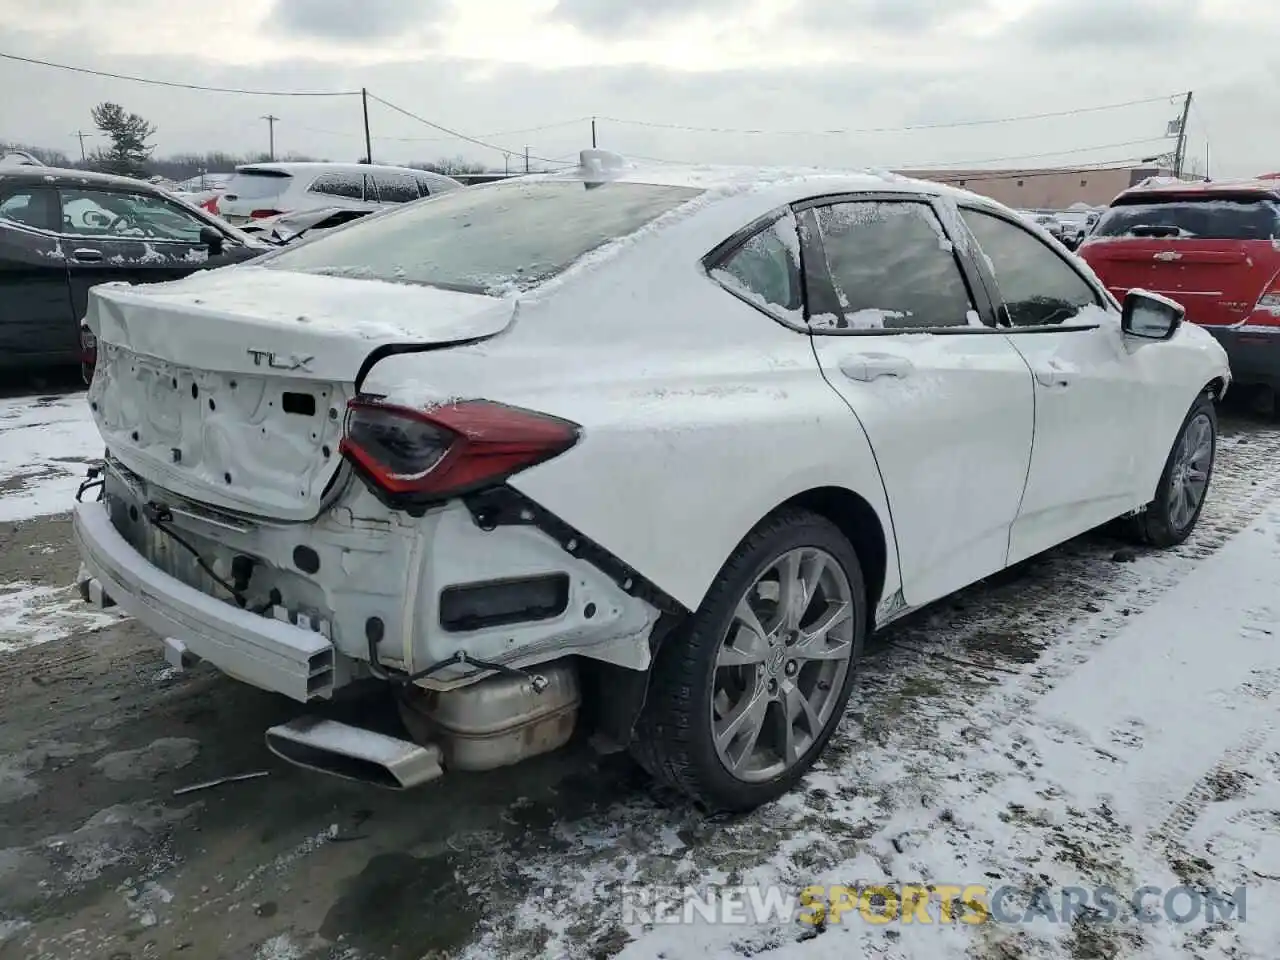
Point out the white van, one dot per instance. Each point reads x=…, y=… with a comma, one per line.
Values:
x=259, y=190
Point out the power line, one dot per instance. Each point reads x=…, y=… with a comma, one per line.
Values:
x=181, y=86
x=454, y=133
x=905, y=129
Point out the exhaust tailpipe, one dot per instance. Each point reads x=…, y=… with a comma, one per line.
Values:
x=354, y=754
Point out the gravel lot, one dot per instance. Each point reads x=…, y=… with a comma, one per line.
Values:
x=941, y=772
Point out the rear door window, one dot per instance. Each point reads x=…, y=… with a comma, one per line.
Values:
x=348, y=185
x=1208, y=219
x=426, y=187
x=890, y=266
x=493, y=239
x=395, y=187
x=765, y=271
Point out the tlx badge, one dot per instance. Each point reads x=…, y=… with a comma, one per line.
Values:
x=288, y=361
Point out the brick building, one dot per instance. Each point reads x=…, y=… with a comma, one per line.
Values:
x=1045, y=189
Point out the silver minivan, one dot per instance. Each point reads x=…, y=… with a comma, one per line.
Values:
x=260, y=190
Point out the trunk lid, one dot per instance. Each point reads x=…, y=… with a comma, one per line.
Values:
x=229, y=387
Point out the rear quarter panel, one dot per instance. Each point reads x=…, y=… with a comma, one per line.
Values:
x=700, y=414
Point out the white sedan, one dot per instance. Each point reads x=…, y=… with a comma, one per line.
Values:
x=647, y=452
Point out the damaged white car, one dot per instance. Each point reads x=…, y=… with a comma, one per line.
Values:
x=641, y=453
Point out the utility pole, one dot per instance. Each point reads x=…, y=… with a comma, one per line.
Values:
x=84, y=158
x=1180, y=153
x=271, y=135
x=593, y=133
x=526, y=159
x=368, y=141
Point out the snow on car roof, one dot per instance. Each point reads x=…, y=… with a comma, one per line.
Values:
x=1168, y=186
x=775, y=185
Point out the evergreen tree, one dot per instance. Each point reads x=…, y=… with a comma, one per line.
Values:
x=129, y=133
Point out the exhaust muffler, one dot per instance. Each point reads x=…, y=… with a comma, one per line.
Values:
x=352, y=753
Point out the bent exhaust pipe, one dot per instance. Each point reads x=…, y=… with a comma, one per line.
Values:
x=340, y=750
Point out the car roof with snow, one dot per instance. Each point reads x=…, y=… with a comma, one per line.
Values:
x=1201, y=190
x=769, y=186
x=324, y=166
x=62, y=177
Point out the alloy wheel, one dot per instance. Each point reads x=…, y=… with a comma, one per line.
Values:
x=1189, y=478
x=782, y=664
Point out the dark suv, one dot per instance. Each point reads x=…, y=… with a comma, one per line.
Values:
x=63, y=231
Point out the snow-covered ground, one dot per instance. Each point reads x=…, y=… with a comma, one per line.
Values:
x=45, y=445
x=1129, y=740
x=1097, y=719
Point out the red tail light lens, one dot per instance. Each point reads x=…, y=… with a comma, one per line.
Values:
x=1266, y=312
x=418, y=456
x=211, y=205
x=263, y=214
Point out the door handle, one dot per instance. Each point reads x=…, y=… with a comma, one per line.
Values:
x=1050, y=377
x=866, y=367
x=88, y=256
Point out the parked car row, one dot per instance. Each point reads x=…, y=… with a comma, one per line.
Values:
x=1069, y=227
x=638, y=452
x=62, y=231
x=263, y=190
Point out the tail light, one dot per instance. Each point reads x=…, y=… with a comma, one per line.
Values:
x=1266, y=312
x=412, y=457
x=263, y=214
x=211, y=205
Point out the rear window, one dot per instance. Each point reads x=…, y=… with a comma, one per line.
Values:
x=258, y=184
x=1193, y=220
x=490, y=239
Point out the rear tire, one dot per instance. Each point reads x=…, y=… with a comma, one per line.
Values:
x=744, y=697
x=1184, y=485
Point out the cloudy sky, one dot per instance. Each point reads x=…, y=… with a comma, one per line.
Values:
x=829, y=82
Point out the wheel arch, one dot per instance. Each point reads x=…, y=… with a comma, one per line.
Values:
x=853, y=516
x=613, y=717
x=1216, y=388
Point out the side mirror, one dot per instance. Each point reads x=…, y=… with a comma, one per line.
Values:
x=1150, y=316
x=211, y=238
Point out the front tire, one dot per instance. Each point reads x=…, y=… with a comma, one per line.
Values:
x=1184, y=486
x=744, y=697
